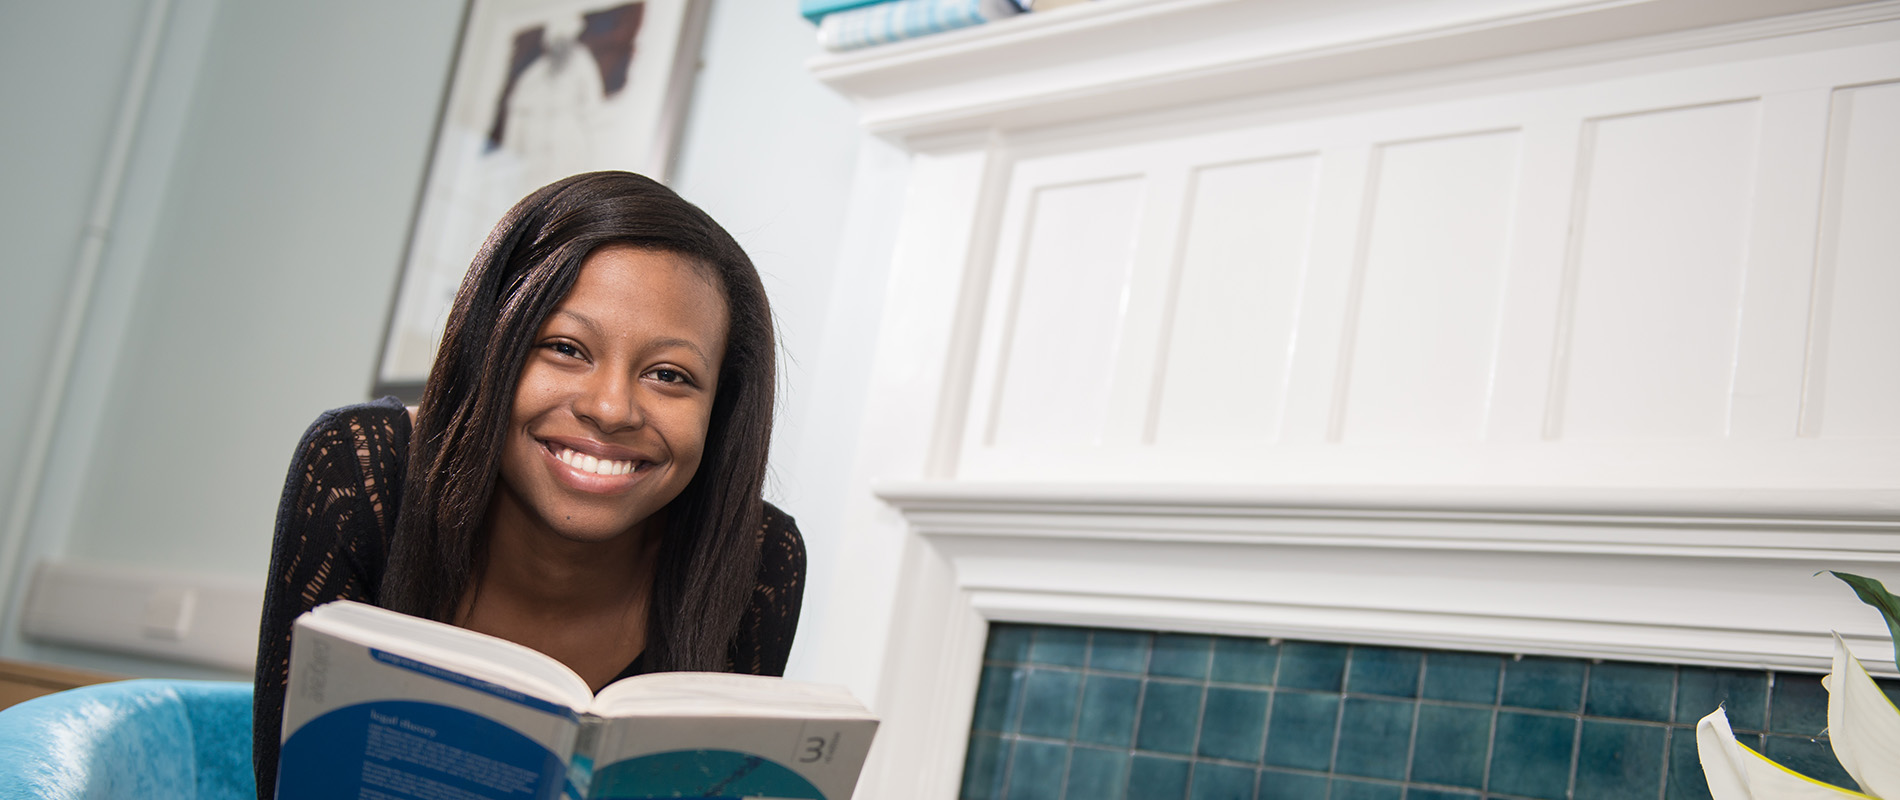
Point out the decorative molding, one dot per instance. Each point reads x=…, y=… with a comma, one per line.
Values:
x=1179, y=560
x=1119, y=57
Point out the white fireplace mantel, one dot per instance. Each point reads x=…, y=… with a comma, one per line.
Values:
x=1524, y=326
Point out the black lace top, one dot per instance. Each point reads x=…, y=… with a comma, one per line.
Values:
x=333, y=527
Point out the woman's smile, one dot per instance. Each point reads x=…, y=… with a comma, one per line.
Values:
x=595, y=467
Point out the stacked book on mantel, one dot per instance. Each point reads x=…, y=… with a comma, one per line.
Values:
x=852, y=24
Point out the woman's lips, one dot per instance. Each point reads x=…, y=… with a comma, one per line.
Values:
x=591, y=473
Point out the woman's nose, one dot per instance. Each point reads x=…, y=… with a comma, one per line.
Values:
x=611, y=401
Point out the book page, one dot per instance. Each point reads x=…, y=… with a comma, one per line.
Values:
x=368, y=724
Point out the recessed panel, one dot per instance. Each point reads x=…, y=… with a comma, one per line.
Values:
x=1657, y=273
x=1431, y=289
x=1232, y=326
x=1071, y=294
x=1854, y=377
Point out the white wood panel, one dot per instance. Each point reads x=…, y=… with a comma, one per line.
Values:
x=1657, y=273
x=1430, y=289
x=1854, y=371
x=1236, y=302
x=1071, y=294
x=1770, y=351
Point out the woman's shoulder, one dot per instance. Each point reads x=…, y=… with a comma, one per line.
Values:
x=776, y=526
x=379, y=421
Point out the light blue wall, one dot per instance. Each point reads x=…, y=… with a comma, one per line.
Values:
x=56, y=131
x=266, y=206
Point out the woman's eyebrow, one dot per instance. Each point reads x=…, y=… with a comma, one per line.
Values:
x=583, y=320
x=663, y=343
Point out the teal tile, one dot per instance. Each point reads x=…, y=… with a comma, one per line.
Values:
x=1799, y=704
x=1462, y=677
x=1374, y=737
x=1035, y=770
x=1631, y=691
x=1389, y=671
x=1451, y=745
x=1549, y=684
x=1244, y=661
x=1049, y=703
x=1157, y=778
x=1234, y=725
x=1300, y=729
x=1181, y=656
x=1743, y=694
x=1619, y=760
x=1120, y=651
x=1170, y=716
x=1063, y=647
x=1097, y=774
x=1008, y=643
x=983, y=768
x=1311, y=665
x=1278, y=785
x=1809, y=756
x=1221, y=782
x=1347, y=789
x=1686, y=781
x=998, y=698
x=1530, y=755
x=1108, y=711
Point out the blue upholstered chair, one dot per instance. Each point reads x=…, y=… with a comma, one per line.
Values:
x=146, y=739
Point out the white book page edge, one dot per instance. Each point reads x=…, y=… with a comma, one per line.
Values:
x=476, y=655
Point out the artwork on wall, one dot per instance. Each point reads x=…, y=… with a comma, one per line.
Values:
x=541, y=89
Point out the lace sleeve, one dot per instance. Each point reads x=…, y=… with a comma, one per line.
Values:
x=333, y=523
x=764, y=642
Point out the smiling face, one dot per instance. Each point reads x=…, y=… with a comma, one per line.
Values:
x=611, y=409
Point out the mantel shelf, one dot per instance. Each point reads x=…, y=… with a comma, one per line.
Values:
x=1121, y=57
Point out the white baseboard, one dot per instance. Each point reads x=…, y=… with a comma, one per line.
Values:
x=209, y=620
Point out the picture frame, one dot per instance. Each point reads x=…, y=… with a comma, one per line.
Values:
x=540, y=89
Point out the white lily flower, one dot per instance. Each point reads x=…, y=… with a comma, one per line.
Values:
x=1863, y=727
x=1736, y=772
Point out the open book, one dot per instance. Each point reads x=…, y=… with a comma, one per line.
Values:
x=385, y=706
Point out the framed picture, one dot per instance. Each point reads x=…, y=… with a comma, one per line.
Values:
x=541, y=89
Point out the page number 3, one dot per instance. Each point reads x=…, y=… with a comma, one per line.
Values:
x=817, y=748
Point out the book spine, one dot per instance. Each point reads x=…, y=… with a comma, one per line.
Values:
x=816, y=10
x=905, y=19
x=580, y=765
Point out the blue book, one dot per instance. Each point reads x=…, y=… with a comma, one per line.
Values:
x=381, y=704
x=897, y=20
x=816, y=10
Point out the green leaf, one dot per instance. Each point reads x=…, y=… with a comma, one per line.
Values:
x=1874, y=593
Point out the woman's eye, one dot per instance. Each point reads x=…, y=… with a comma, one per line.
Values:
x=664, y=375
x=565, y=349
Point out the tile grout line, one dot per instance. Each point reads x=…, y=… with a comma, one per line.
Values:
x=1339, y=719
x=1418, y=700
x=1200, y=718
x=1576, y=744
x=1491, y=739
x=1075, y=719
x=1669, y=733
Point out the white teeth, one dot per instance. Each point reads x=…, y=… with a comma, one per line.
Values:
x=598, y=466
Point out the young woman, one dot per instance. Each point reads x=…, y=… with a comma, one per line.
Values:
x=583, y=473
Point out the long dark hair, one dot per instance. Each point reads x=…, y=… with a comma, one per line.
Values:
x=708, y=556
